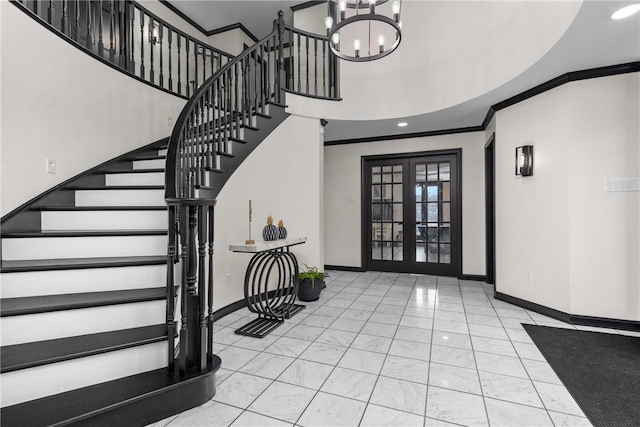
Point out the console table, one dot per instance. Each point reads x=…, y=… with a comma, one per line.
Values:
x=270, y=284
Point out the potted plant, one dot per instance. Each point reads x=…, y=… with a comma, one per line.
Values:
x=311, y=282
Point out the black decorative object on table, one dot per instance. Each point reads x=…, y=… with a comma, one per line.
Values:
x=311, y=284
x=270, y=231
x=282, y=232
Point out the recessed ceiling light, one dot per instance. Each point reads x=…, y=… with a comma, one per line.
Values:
x=626, y=11
x=402, y=124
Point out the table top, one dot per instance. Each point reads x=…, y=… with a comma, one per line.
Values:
x=262, y=246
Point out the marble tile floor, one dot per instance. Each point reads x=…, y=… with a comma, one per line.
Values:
x=386, y=349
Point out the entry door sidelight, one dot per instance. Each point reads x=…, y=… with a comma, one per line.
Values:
x=411, y=214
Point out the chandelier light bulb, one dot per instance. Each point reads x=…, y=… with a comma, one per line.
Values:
x=328, y=22
x=396, y=7
x=343, y=5
x=381, y=42
x=356, y=44
x=335, y=38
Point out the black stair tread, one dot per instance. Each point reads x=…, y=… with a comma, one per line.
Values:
x=18, y=266
x=23, y=356
x=212, y=169
x=99, y=208
x=146, y=157
x=233, y=138
x=225, y=154
x=116, y=187
x=120, y=171
x=49, y=303
x=73, y=405
x=83, y=233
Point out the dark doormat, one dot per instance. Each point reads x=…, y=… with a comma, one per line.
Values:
x=600, y=370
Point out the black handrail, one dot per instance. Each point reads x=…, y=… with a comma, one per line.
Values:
x=127, y=36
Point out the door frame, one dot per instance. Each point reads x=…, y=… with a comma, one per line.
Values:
x=490, y=209
x=456, y=241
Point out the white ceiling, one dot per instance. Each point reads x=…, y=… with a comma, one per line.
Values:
x=592, y=40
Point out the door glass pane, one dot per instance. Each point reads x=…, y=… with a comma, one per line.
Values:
x=432, y=193
x=375, y=178
x=387, y=211
x=386, y=169
x=387, y=251
x=376, y=231
x=446, y=212
x=432, y=172
x=386, y=191
x=397, y=173
x=398, y=233
x=445, y=171
x=386, y=231
x=419, y=212
x=421, y=172
x=446, y=191
x=432, y=212
x=376, y=212
x=445, y=233
x=421, y=253
x=432, y=252
x=397, y=192
x=432, y=233
x=375, y=250
x=376, y=192
x=445, y=254
x=397, y=212
x=419, y=192
x=386, y=177
x=421, y=232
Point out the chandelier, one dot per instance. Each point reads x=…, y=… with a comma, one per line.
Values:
x=363, y=30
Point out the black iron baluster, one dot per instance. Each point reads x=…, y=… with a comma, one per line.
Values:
x=76, y=12
x=280, y=61
x=100, y=30
x=195, y=65
x=142, y=73
x=315, y=66
x=204, y=63
x=307, y=56
x=256, y=69
x=263, y=83
x=112, y=30
x=236, y=110
x=179, y=42
x=299, y=73
x=51, y=13
x=132, y=18
x=231, y=113
x=213, y=59
x=218, y=120
x=89, y=24
x=122, y=57
x=186, y=65
x=210, y=287
x=268, y=88
x=324, y=68
x=170, y=32
x=171, y=253
x=64, y=19
x=291, y=84
x=152, y=48
x=160, y=37
x=35, y=6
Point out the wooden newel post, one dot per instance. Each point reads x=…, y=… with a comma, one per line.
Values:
x=280, y=59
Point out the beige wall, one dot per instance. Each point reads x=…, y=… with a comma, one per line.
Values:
x=283, y=178
x=343, y=195
x=80, y=114
x=580, y=243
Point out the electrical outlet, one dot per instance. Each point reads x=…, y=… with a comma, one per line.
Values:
x=228, y=279
x=50, y=166
x=528, y=277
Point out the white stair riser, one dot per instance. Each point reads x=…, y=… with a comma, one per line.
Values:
x=34, y=383
x=82, y=247
x=104, y=220
x=68, y=323
x=120, y=198
x=150, y=178
x=149, y=164
x=35, y=283
x=162, y=152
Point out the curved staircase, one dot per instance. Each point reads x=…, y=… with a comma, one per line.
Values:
x=106, y=309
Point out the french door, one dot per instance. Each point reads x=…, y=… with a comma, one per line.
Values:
x=412, y=214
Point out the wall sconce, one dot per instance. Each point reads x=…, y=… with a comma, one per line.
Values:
x=524, y=160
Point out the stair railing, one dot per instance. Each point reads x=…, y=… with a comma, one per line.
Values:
x=128, y=37
x=204, y=134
